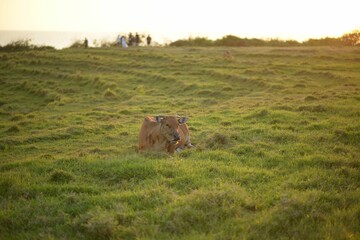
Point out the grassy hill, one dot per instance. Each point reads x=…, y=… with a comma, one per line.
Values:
x=276, y=130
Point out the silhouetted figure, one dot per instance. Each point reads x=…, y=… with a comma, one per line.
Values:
x=148, y=40
x=118, y=40
x=137, y=39
x=131, y=39
x=86, y=43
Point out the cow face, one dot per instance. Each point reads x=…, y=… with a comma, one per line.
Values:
x=170, y=127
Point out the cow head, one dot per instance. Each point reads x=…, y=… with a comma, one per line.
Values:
x=170, y=127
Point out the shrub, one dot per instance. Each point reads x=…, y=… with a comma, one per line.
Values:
x=18, y=45
x=324, y=42
x=77, y=44
x=351, y=39
x=22, y=45
x=198, y=41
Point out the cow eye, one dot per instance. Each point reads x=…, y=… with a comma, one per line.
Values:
x=167, y=125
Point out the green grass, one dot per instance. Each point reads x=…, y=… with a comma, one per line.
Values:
x=276, y=134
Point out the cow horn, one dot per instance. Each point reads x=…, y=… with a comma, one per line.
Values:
x=159, y=118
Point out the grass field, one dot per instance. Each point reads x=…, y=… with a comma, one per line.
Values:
x=276, y=130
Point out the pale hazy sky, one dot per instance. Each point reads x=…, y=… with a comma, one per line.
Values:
x=286, y=19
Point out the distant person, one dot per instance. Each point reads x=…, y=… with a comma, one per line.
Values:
x=123, y=42
x=131, y=40
x=148, y=40
x=137, y=39
x=118, y=40
x=86, y=43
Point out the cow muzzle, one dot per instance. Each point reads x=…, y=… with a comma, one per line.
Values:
x=176, y=138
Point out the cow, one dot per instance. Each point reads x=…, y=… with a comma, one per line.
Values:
x=164, y=133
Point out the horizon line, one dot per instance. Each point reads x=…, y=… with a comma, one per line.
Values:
x=190, y=36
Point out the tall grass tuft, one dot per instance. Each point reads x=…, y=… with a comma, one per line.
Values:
x=110, y=94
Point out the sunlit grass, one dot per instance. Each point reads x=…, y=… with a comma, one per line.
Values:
x=275, y=130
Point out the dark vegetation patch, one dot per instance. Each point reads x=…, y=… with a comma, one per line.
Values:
x=310, y=98
x=316, y=108
x=300, y=85
x=13, y=129
x=260, y=114
x=16, y=118
x=60, y=176
x=217, y=140
x=347, y=137
x=226, y=124
x=323, y=75
x=283, y=107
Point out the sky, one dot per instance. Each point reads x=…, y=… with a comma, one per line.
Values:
x=172, y=20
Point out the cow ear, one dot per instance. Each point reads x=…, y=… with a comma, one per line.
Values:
x=183, y=120
x=158, y=119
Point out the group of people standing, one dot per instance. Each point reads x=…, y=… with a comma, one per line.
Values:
x=132, y=40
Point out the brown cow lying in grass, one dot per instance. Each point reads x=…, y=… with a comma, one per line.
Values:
x=164, y=133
